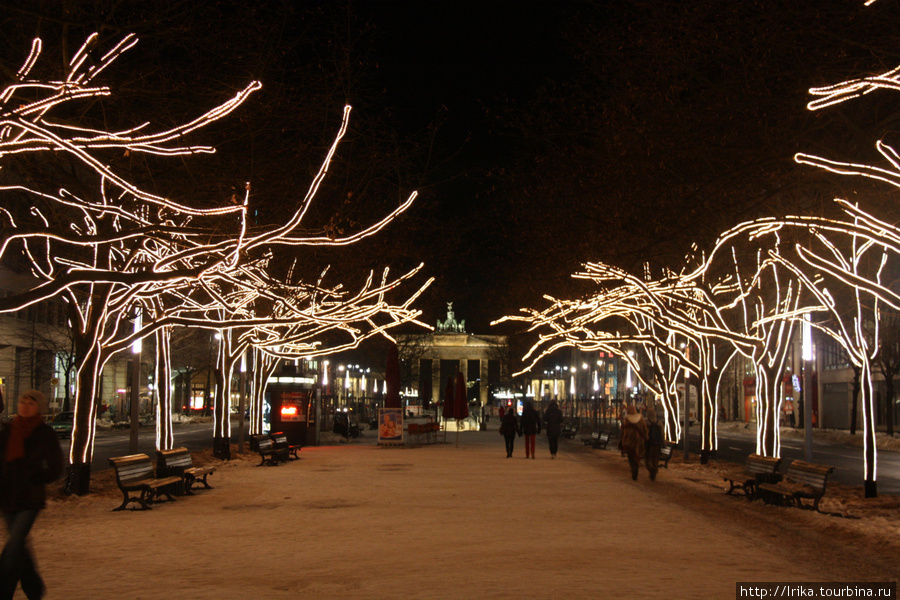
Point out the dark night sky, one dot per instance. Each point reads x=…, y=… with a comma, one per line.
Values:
x=477, y=67
x=465, y=55
x=478, y=59
x=467, y=62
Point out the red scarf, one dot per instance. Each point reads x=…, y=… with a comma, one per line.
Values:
x=20, y=429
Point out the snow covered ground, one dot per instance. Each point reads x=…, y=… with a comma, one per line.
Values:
x=366, y=522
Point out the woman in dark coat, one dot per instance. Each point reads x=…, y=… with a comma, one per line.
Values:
x=531, y=426
x=509, y=429
x=30, y=458
x=654, y=444
x=634, y=438
x=553, y=419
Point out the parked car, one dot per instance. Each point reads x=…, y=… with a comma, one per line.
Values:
x=62, y=424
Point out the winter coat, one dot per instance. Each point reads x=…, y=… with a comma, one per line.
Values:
x=509, y=424
x=654, y=435
x=22, y=481
x=634, y=435
x=553, y=418
x=531, y=421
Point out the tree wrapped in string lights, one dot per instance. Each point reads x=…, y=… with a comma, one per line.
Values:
x=865, y=262
x=278, y=319
x=847, y=267
x=735, y=300
x=111, y=248
x=664, y=318
x=90, y=235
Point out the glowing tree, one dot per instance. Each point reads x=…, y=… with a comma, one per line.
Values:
x=859, y=265
x=107, y=246
x=848, y=267
x=663, y=318
x=762, y=300
x=696, y=319
x=96, y=239
x=284, y=320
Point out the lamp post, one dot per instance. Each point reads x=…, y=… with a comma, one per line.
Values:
x=135, y=386
x=242, y=403
x=807, y=390
x=686, y=403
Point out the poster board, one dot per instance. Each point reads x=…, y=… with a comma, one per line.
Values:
x=390, y=426
x=294, y=407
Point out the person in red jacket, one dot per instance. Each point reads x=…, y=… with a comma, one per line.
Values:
x=30, y=458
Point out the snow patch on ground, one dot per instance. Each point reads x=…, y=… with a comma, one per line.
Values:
x=355, y=520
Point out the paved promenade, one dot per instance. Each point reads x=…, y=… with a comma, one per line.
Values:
x=442, y=522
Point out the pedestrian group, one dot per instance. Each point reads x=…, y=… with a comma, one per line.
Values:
x=641, y=438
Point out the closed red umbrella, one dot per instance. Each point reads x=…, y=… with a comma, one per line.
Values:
x=447, y=412
x=461, y=400
x=392, y=378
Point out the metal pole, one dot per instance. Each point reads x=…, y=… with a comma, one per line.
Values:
x=685, y=408
x=135, y=400
x=808, y=358
x=242, y=403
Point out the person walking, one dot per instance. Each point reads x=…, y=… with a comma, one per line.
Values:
x=553, y=419
x=509, y=429
x=634, y=438
x=531, y=426
x=654, y=444
x=30, y=458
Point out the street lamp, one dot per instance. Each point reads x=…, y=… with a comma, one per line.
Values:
x=807, y=391
x=135, y=385
x=628, y=382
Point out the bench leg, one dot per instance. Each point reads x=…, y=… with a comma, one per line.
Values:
x=750, y=490
x=155, y=495
x=268, y=460
x=127, y=500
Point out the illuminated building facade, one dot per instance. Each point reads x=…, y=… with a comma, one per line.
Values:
x=435, y=357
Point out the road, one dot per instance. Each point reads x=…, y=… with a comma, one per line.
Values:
x=847, y=461
x=115, y=442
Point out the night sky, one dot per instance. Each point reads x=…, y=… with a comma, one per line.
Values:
x=731, y=86
x=540, y=134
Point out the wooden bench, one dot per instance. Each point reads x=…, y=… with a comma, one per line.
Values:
x=569, y=430
x=803, y=481
x=758, y=469
x=177, y=462
x=270, y=455
x=665, y=455
x=134, y=473
x=592, y=439
x=602, y=441
x=281, y=443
